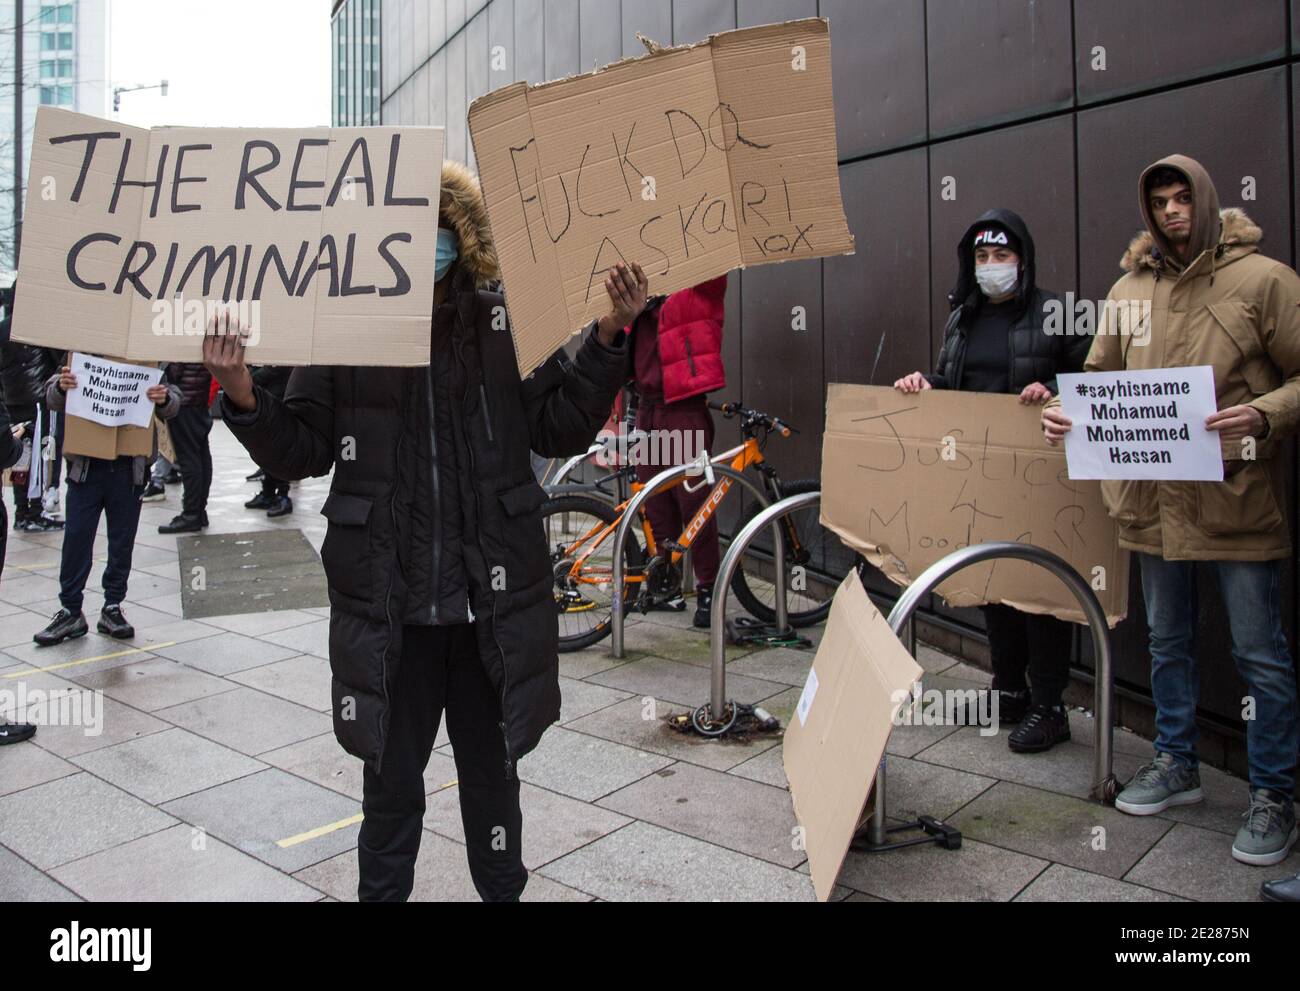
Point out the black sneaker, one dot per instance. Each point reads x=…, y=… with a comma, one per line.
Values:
x=65, y=624
x=173, y=476
x=15, y=732
x=282, y=506
x=114, y=624
x=260, y=501
x=153, y=492
x=184, y=524
x=257, y=476
x=42, y=524
x=1012, y=707
x=1042, y=729
x=703, y=609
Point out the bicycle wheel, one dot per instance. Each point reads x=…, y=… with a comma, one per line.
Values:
x=757, y=594
x=584, y=600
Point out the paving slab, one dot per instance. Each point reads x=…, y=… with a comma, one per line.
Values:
x=247, y=720
x=276, y=817
x=644, y=862
x=71, y=817
x=678, y=683
x=303, y=679
x=1197, y=863
x=24, y=883
x=976, y=872
x=579, y=698
x=1069, y=884
x=23, y=765
x=179, y=865
x=585, y=767
x=154, y=684
x=225, y=653
x=167, y=765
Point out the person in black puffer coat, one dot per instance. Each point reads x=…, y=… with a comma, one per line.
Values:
x=11, y=449
x=440, y=578
x=274, y=497
x=24, y=370
x=997, y=339
x=190, y=429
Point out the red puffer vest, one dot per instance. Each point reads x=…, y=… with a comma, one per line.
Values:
x=690, y=340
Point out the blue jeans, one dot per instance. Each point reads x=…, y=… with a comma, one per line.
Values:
x=1253, y=603
x=108, y=488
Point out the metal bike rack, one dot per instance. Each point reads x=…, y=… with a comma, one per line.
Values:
x=660, y=481
x=718, y=621
x=1104, y=785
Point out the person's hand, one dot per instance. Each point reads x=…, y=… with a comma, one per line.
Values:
x=18, y=430
x=916, y=382
x=157, y=394
x=223, y=356
x=67, y=381
x=1035, y=394
x=1236, y=422
x=1055, y=425
x=627, y=288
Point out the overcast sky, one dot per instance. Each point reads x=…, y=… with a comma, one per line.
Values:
x=228, y=63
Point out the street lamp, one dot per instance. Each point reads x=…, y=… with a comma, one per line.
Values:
x=119, y=90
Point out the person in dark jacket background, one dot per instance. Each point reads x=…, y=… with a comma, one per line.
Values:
x=274, y=497
x=190, y=428
x=440, y=581
x=24, y=370
x=996, y=340
x=11, y=449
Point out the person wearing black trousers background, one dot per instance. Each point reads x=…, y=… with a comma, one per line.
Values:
x=274, y=497
x=11, y=449
x=189, y=429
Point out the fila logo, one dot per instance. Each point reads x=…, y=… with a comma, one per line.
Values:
x=991, y=237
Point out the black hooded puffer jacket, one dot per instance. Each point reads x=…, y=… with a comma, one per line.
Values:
x=1033, y=354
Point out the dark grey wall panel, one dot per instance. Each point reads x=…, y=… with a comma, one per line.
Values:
x=561, y=38
x=653, y=18
x=1156, y=42
x=530, y=53
x=695, y=20
x=501, y=43
x=783, y=366
x=996, y=60
x=1028, y=169
x=457, y=133
x=752, y=12
x=878, y=72
x=600, y=41
x=1235, y=127
x=877, y=301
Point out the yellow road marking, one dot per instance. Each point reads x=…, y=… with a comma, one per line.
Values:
x=90, y=660
x=311, y=834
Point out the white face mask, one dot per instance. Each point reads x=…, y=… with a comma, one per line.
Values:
x=997, y=279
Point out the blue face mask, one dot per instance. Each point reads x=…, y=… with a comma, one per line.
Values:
x=447, y=253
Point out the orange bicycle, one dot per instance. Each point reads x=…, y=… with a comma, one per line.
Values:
x=580, y=530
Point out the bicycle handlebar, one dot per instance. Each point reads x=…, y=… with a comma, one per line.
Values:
x=753, y=418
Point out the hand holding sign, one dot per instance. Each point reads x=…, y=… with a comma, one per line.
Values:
x=627, y=290
x=223, y=356
x=1237, y=422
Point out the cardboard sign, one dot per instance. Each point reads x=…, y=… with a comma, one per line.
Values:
x=323, y=240
x=98, y=441
x=1142, y=424
x=908, y=479
x=845, y=716
x=691, y=161
x=110, y=392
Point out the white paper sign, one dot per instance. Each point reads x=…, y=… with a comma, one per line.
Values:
x=1142, y=424
x=110, y=392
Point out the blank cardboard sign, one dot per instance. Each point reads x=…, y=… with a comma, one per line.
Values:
x=323, y=237
x=692, y=161
x=841, y=725
x=908, y=479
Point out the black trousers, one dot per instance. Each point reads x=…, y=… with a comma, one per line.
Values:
x=1020, y=642
x=440, y=669
x=272, y=486
x=189, y=429
x=107, y=489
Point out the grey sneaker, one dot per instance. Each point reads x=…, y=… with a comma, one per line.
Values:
x=1267, y=829
x=1158, y=785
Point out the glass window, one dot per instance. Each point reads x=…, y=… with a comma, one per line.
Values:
x=48, y=13
x=49, y=69
x=49, y=94
x=65, y=67
x=48, y=41
x=65, y=14
x=65, y=41
x=65, y=94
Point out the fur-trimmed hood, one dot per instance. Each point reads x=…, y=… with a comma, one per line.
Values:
x=461, y=207
x=1236, y=230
